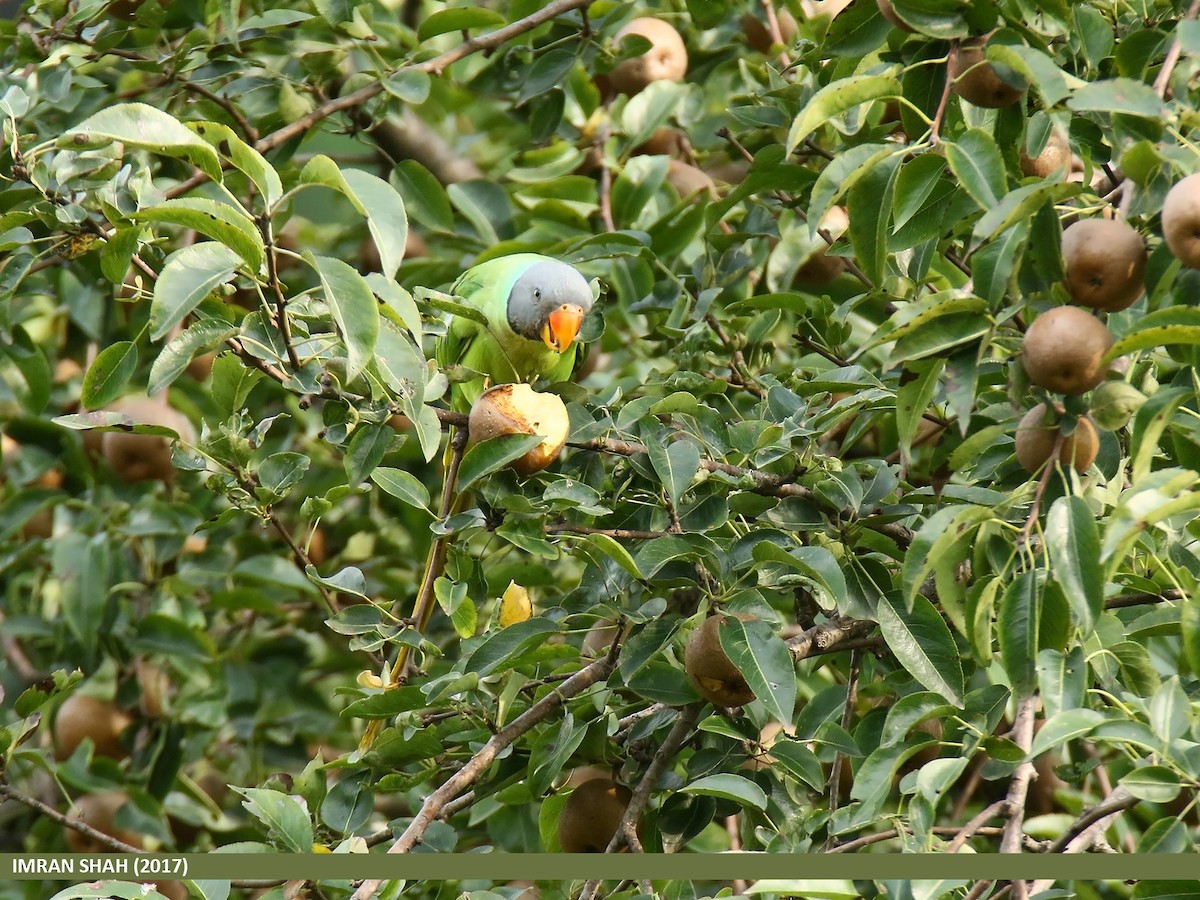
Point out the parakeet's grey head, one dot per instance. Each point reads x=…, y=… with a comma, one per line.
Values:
x=548, y=303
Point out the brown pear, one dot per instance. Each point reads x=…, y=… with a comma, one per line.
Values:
x=98, y=811
x=664, y=142
x=81, y=716
x=591, y=815
x=142, y=457
x=1054, y=158
x=758, y=35
x=1063, y=350
x=519, y=409
x=714, y=677
x=1181, y=221
x=689, y=181
x=975, y=79
x=665, y=60
x=1105, y=261
x=1036, y=440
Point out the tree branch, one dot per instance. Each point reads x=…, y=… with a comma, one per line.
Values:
x=827, y=636
x=466, y=776
x=626, y=833
x=1022, y=736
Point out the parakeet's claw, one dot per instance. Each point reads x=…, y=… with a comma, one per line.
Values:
x=562, y=326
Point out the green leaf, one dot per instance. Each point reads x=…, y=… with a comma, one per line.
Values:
x=118, y=252
x=492, y=455
x=282, y=471
x=817, y=569
x=144, y=126
x=649, y=110
x=285, y=819
x=1155, y=784
x=1189, y=628
x=219, y=221
x=1068, y=725
x=920, y=315
x=459, y=18
x=1167, y=890
x=410, y=86
x=1020, y=613
x=1019, y=205
x=1062, y=679
x=869, y=208
x=924, y=645
x=373, y=198
x=83, y=566
x=349, y=803
x=676, y=464
x=403, y=486
x=354, y=308
x=842, y=173
x=1170, y=710
x=941, y=531
x=1172, y=325
x=729, y=787
x=109, y=374
x=608, y=546
x=1118, y=95
x=822, y=889
x=1149, y=423
x=764, y=661
x=368, y=445
x=918, y=384
x=242, y=157
x=183, y=348
x=508, y=644
x=975, y=160
x=1073, y=541
x=799, y=761
x=424, y=195
x=190, y=275
x=836, y=98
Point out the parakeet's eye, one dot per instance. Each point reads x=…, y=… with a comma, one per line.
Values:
x=537, y=293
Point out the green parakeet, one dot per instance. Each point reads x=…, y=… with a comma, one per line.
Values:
x=534, y=305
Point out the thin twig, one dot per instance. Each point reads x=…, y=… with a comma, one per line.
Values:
x=107, y=840
x=619, y=533
x=775, y=32
x=893, y=833
x=281, y=317
x=839, y=758
x=1040, y=492
x=976, y=824
x=737, y=360
x=936, y=127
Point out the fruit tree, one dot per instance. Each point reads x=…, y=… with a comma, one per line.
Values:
x=847, y=501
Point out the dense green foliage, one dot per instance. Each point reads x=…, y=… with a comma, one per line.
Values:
x=835, y=457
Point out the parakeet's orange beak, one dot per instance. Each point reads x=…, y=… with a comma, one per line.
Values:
x=561, y=328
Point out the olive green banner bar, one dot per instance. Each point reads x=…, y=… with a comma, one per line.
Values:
x=564, y=867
